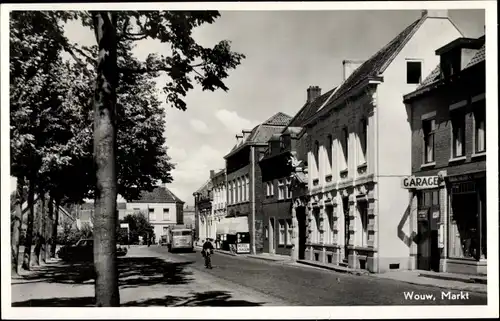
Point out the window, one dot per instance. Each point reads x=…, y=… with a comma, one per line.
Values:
x=281, y=190
x=345, y=145
x=329, y=153
x=316, y=226
x=166, y=214
x=268, y=189
x=316, y=154
x=137, y=210
x=151, y=213
x=288, y=188
x=237, y=194
x=458, y=133
x=234, y=197
x=480, y=128
x=248, y=188
x=266, y=230
x=428, y=128
x=413, y=72
x=363, y=138
x=329, y=235
x=289, y=231
x=243, y=189
x=230, y=186
x=281, y=237
x=363, y=214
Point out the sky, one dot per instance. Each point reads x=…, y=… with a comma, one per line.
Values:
x=286, y=52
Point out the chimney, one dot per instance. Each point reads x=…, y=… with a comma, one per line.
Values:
x=245, y=133
x=313, y=92
x=348, y=67
x=212, y=173
x=436, y=13
x=239, y=138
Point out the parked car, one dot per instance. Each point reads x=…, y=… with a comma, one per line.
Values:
x=83, y=250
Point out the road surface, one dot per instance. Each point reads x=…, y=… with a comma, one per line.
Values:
x=308, y=286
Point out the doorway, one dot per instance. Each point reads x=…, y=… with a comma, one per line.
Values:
x=428, y=253
x=301, y=219
x=347, y=223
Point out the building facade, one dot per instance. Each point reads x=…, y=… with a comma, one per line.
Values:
x=244, y=180
x=448, y=186
x=162, y=208
x=203, y=211
x=189, y=216
x=221, y=223
x=358, y=151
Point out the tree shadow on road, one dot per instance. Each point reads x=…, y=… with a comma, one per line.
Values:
x=207, y=298
x=133, y=272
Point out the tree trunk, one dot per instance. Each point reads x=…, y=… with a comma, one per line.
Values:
x=48, y=229
x=43, y=227
x=17, y=226
x=29, y=228
x=106, y=283
x=55, y=222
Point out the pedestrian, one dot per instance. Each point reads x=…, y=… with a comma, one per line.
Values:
x=207, y=251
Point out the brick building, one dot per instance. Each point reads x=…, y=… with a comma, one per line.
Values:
x=277, y=170
x=448, y=186
x=357, y=150
x=244, y=179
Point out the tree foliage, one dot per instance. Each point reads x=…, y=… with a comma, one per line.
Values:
x=138, y=226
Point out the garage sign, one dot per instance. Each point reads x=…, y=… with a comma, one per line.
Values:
x=420, y=182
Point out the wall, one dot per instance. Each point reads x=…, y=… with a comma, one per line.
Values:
x=394, y=135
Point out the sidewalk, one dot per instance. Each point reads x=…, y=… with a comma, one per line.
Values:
x=145, y=280
x=440, y=280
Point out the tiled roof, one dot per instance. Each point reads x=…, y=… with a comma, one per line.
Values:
x=478, y=57
x=375, y=65
x=435, y=74
x=310, y=109
x=158, y=195
x=279, y=119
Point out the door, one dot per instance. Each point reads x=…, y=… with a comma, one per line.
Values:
x=301, y=219
x=424, y=241
x=347, y=221
x=428, y=253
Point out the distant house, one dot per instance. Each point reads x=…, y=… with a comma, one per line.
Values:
x=189, y=216
x=162, y=208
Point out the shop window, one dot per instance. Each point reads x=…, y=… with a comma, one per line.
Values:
x=316, y=225
x=480, y=127
x=363, y=214
x=413, y=72
x=429, y=127
x=289, y=232
x=464, y=222
x=458, y=133
x=281, y=189
x=281, y=236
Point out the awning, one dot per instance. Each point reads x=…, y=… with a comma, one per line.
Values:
x=223, y=226
x=238, y=224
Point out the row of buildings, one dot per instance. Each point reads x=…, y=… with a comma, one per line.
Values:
x=385, y=171
x=162, y=208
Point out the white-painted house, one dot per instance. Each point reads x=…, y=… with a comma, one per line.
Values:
x=163, y=209
x=358, y=149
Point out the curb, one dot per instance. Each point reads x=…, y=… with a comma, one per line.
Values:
x=480, y=291
x=335, y=268
x=256, y=257
x=473, y=280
